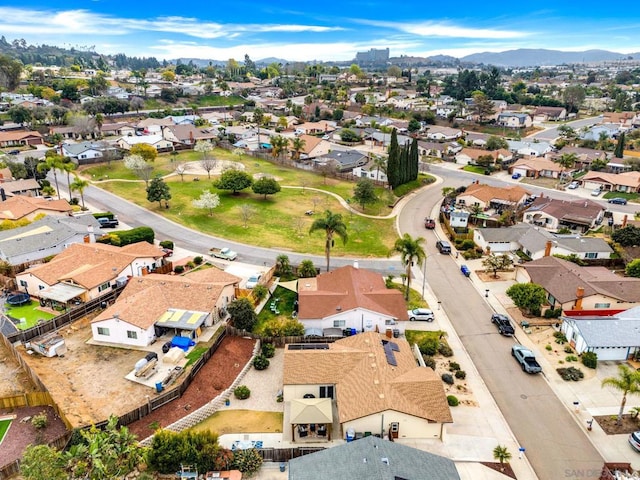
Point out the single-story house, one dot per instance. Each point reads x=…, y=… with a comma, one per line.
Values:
x=624, y=120
x=315, y=128
x=536, y=242
x=117, y=129
x=84, y=271
x=27, y=187
x=313, y=147
x=370, y=383
x=349, y=298
x=22, y=206
x=531, y=149
x=626, y=182
x=546, y=114
x=84, y=152
x=572, y=287
x=20, y=138
x=343, y=160
x=554, y=214
x=471, y=155
x=443, y=134
x=585, y=156
x=514, y=120
x=371, y=172
x=612, y=337
x=595, y=132
x=156, y=141
x=536, y=167
x=459, y=218
x=432, y=149
x=153, y=305
x=186, y=134
x=372, y=458
x=487, y=196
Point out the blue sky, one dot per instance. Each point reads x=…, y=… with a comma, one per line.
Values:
x=321, y=30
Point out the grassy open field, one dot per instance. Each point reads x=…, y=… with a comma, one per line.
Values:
x=277, y=221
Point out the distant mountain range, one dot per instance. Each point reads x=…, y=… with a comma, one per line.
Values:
x=526, y=57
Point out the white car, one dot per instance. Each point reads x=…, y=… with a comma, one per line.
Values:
x=253, y=280
x=573, y=185
x=423, y=314
x=596, y=192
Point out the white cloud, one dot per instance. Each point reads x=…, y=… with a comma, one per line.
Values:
x=435, y=29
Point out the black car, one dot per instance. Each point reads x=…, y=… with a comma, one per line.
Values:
x=504, y=325
x=443, y=247
x=618, y=200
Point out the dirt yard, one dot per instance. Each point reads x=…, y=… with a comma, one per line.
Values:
x=13, y=380
x=88, y=382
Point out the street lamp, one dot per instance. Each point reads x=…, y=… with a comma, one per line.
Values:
x=424, y=275
x=486, y=293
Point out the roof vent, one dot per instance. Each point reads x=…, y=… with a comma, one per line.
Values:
x=385, y=460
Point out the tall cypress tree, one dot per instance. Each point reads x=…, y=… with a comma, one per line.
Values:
x=393, y=161
x=413, y=160
x=619, y=151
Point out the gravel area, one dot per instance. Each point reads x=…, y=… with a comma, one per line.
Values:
x=264, y=386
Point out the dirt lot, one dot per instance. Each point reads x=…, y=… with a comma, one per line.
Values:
x=88, y=382
x=13, y=381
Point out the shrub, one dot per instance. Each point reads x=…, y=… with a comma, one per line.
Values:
x=453, y=401
x=242, y=392
x=429, y=346
x=388, y=281
x=248, y=461
x=461, y=374
x=191, y=264
x=590, y=359
x=260, y=362
x=548, y=347
x=445, y=350
x=560, y=338
x=198, y=260
x=429, y=361
x=447, y=378
x=166, y=244
x=570, y=373
x=453, y=366
x=178, y=269
x=467, y=244
x=259, y=292
x=571, y=358
x=568, y=349
x=268, y=350
x=40, y=421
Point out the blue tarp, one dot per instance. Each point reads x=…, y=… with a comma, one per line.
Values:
x=182, y=342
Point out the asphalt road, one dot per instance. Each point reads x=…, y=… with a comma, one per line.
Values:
x=555, y=445
x=550, y=134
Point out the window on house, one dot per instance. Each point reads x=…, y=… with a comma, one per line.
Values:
x=41, y=287
x=103, y=287
x=339, y=323
x=326, y=391
x=591, y=255
x=23, y=283
x=602, y=305
x=103, y=331
x=132, y=334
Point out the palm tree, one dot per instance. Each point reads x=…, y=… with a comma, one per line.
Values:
x=380, y=163
x=297, y=144
x=53, y=162
x=627, y=381
x=566, y=160
x=79, y=185
x=501, y=454
x=68, y=167
x=332, y=224
x=410, y=250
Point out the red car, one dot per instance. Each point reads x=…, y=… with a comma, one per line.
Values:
x=429, y=223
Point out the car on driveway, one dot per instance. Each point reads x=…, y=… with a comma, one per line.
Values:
x=634, y=440
x=253, y=280
x=504, y=324
x=596, y=192
x=618, y=200
x=423, y=314
x=573, y=185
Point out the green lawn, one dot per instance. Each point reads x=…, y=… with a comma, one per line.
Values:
x=629, y=196
x=30, y=312
x=278, y=221
x=4, y=426
x=474, y=169
x=285, y=298
x=195, y=354
x=417, y=336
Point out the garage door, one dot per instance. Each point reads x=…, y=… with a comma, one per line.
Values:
x=611, y=353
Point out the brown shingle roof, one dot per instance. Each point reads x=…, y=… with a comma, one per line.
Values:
x=349, y=288
x=487, y=193
x=562, y=279
x=144, y=299
x=366, y=383
x=91, y=264
x=582, y=211
x=20, y=206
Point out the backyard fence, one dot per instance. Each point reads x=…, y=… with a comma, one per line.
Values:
x=279, y=341
x=279, y=455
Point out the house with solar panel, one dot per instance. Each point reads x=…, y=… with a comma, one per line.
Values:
x=359, y=386
x=157, y=305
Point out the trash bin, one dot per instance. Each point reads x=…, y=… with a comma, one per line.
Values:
x=282, y=466
x=159, y=387
x=396, y=333
x=351, y=435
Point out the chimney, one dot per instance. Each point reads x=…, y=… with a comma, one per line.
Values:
x=579, y=297
x=90, y=237
x=547, y=248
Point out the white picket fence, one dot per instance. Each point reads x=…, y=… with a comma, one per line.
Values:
x=211, y=407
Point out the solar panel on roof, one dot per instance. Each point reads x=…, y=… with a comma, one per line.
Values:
x=388, y=352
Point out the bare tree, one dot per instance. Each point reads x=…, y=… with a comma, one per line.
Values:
x=141, y=168
x=299, y=225
x=83, y=125
x=181, y=169
x=209, y=164
x=246, y=212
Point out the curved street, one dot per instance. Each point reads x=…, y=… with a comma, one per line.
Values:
x=555, y=444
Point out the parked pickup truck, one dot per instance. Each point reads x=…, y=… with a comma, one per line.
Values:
x=526, y=359
x=106, y=222
x=224, y=253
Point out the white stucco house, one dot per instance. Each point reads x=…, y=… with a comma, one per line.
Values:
x=349, y=298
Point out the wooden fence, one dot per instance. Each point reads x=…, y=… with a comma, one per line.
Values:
x=279, y=341
x=278, y=455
